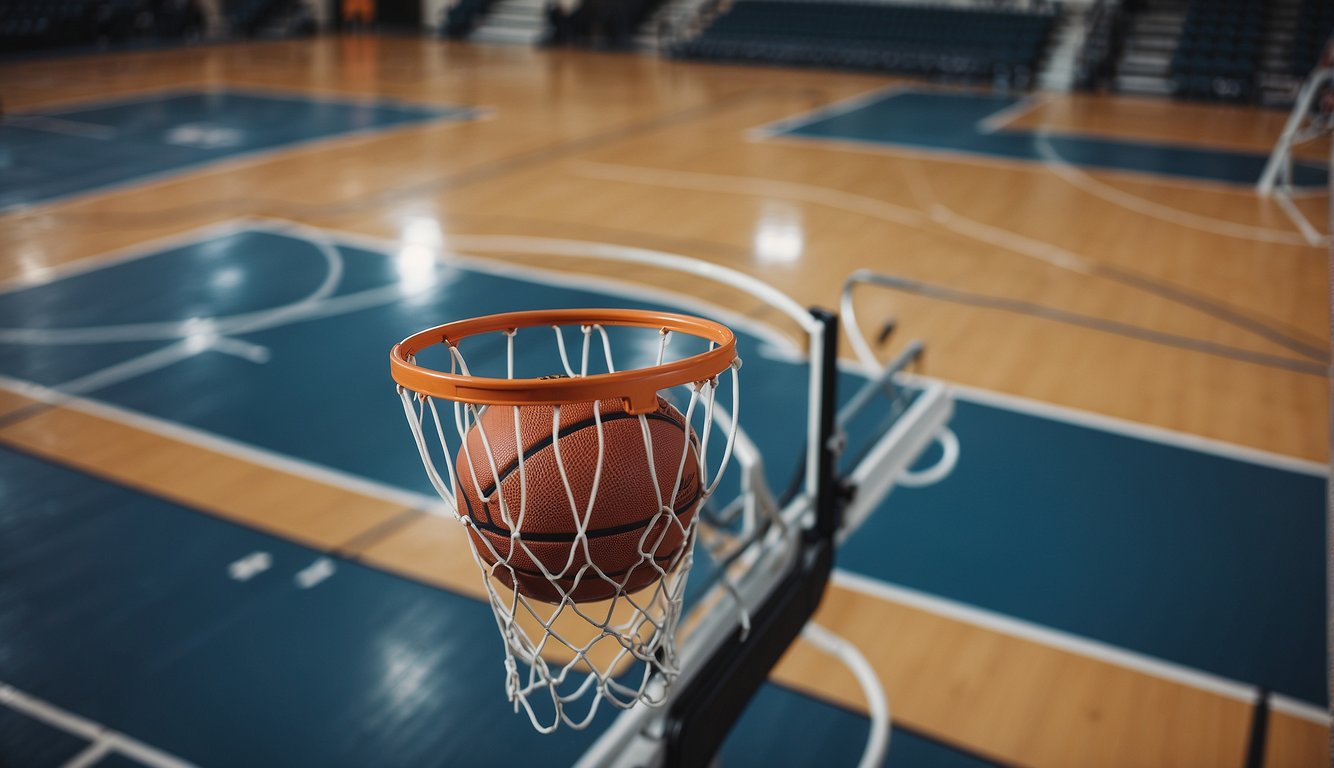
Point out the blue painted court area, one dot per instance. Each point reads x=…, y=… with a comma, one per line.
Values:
x=953, y=123
x=1207, y=561
x=54, y=153
x=1210, y=562
x=141, y=628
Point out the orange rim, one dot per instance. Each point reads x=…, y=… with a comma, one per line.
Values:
x=638, y=388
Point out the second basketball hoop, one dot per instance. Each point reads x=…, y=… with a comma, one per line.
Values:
x=578, y=467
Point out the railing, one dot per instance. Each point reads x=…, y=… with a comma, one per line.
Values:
x=1105, y=25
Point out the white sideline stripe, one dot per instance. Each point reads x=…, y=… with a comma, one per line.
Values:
x=63, y=126
x=1077, y=178
x=998, y=120
x=1011, y=241
x=1300, y=709
x=1145, y=432
x=1312, y=235
x=759, y=187
x=50, y=274
x=50, y=714
x=1048, y=637
x=777, y=131
x=227, y=446
x=95, y=751
x=763, y=330
x=246, y=158
x=839, y=107
x=608, y=285
x=164, y=357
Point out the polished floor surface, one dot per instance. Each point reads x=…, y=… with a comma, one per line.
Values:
x=1127, y=559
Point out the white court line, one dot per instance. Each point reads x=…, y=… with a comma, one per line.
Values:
x=839, y=107
x=998, y=120
x=1300, y=709
x=451, y=256
x=127, y=253
x=62, y=126
x=1079, y=179
x=1312, y=235
x=95, y=752
x=1047, y=637
x=940, y=215
x=1146, y=432
x=386, y=246
x=236, y=161
x=1000, y=400
x=754, y=186
x=778, y=131
x=69, y=722
x=227, y=446
x=375, y=489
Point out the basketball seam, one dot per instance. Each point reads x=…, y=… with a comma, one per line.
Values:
x=528, y=453
x=642, y=560
x=593, y=534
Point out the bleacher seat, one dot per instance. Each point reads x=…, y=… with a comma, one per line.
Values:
x=1218, y=50
x=959, y=43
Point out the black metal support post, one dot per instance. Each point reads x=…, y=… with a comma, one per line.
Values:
x=705, y=711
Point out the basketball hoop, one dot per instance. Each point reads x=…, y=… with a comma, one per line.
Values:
x=579, y=482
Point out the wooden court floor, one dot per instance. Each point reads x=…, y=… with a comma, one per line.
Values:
x=649, y=153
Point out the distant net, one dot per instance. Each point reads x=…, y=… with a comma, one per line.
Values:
x=578, y=450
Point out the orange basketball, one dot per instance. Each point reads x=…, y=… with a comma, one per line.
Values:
x=628, y=537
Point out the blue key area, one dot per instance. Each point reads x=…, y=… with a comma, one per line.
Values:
x=1213, y=563
x=119, y=607
x=1209, y=562
x=56, y=153
x=950, y=122
x=141, y=629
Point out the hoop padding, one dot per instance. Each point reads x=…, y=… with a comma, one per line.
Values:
x=581, y=511
x=638, y=388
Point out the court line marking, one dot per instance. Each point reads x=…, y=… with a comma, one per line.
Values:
x=131, y=252
x=843, y=201
x=871, y=147
x=1080, y=179
x=1300, y=709
x=48, y=713
x=1037, y=633
x=1046, y=636
x=1106, y=192
x=780, y=130
x=939, y=215
x=1299, y=220
x=227, y=446
x=999, y=120
x=1139, y=430
x=759, y=328
x=450, y=256
x=59, y=125
x=213, y=88
x=1004, y=401
x=232, y=162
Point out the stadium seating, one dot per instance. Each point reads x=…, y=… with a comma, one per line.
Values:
x=1315, y=23
x=952, y=42
x=1218, y=51
x=462, y=16
x=28, y=25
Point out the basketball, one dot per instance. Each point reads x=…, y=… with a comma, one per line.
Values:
x=628, y=540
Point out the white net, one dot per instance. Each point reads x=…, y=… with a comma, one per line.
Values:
x=582, y=517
